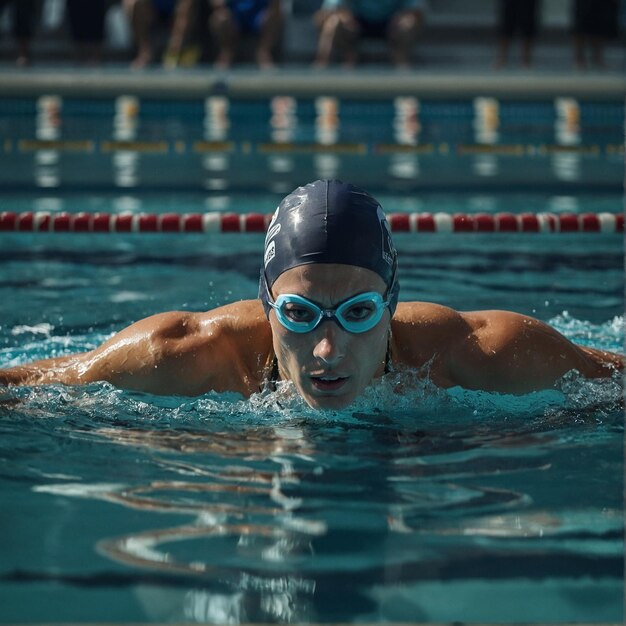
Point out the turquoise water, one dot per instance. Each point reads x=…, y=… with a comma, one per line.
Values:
x=221, y=511
x=424, y=505
x=217, y=145
x=414, y=505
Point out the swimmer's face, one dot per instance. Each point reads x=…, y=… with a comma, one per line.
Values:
x=329, y=366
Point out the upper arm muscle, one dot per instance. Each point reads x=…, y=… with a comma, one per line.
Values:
x=509, y=352
x=142, y=357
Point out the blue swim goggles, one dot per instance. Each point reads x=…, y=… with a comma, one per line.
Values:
x=357, y=314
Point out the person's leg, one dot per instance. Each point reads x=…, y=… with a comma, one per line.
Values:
x=527, y=52
x=347, y=36
x=597, y=52
x=23, y=27
x=579, y=21
x=506, y=28
x=87, y=29
x=338, y=30
x=502, y=55
x=95, y=41
x=271, y=26
x=141, y=16
x=579, y=52
x=327, y=41
x=402, y=34
x=225, y=33
x=177, y=53
x=605, y=28
x=527, y=19
x=74, y=18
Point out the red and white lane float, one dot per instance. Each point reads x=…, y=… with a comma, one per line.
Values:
x=215, y=222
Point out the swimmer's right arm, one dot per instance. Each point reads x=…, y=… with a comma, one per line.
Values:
x=163, y=354
x=133, y=359
x=41, y=372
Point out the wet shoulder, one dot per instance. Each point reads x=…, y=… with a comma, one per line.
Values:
x=224, y=349
x=245, y=317
x=426, y=315
x=423, y=332
x=238, y=331
x=243, y=328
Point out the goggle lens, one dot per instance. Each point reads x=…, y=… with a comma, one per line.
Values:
x=356, y=315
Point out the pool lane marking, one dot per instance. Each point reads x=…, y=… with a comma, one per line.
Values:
x=504, y=149
x=608, y=222
x=361, y=148
x=152, y=147
x=42, y=221
x=615, y=149
x=443, y=222
x=305, y=148
x=593, y=150
x=213, y=146
x=399, y=148
x=544, y=223
x=34, y=145
x=216, y=222
x=211, y=222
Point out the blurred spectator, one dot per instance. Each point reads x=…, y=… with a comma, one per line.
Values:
x=232, y=18
x=86, y=21
x=24, y=18
x=516, y=16
x=142, y=15
x=595, y=23
x=342, y=22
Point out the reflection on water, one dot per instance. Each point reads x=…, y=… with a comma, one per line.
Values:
x=406, y=507
x=265, y=511
x=126, y=143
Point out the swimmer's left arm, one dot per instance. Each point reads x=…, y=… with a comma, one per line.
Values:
x=513, y=353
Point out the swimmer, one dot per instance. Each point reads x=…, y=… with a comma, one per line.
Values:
x=328, y=320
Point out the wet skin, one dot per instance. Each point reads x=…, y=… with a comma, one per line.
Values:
x=231, y=348
x=329, y=366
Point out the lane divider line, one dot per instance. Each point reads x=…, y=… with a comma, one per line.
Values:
x=180, y=146
x=216, y=222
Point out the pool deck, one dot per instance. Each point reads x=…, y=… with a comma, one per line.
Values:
x=369, y=82
x=453, y=59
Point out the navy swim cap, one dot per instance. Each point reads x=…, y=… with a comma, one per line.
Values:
x=329, y=221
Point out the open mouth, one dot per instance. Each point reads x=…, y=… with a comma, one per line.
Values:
x=328, y=383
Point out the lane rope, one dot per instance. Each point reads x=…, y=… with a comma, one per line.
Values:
x=216, y=222
x=91, y=146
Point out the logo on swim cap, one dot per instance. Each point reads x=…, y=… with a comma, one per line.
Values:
x=272, y=232
x=270, y=253
x=387, y=254
x=273, y=220
x=270, y=246
x=387, y=244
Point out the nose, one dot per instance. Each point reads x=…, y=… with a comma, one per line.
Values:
x=331, y=343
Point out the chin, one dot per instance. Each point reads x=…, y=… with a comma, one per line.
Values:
x=329, y=403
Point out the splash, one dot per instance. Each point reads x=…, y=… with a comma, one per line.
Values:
x=607, y=336
x=404, y=398
x=401, y=400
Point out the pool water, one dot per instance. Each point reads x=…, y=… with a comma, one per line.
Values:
x=215, y=510
x=415, y=504
x=216, y=145
x=424, y=506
